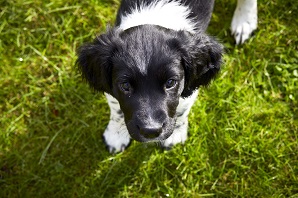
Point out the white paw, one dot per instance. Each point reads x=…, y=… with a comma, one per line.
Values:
x=116, y=138
x=245, y=20
x=179, y=136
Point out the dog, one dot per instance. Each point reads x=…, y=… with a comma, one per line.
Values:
x=150, y=66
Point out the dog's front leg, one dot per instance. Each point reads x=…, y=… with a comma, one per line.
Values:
x=245, y=20
x=116, y=136
x=180, y=132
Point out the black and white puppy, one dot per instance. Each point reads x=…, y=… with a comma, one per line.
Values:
x=150, y=66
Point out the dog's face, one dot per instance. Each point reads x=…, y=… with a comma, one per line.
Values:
x=147, y=69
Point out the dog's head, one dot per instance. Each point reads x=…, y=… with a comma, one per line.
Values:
x=147, y=69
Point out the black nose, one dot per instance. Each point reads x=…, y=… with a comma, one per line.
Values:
x=150, y=132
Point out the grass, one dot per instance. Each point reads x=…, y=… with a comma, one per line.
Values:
x=243, y=133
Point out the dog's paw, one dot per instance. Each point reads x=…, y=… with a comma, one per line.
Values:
x=116, y=141
x=245, y=20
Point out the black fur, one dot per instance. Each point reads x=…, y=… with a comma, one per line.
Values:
x=200, y=55
x=148, y=68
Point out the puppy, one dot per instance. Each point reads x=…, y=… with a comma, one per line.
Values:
x=150, y=66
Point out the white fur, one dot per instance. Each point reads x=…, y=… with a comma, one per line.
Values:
x=245, y=20
x=116, y=135
x=171, y=15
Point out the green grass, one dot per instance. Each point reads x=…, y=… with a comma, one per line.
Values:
x=243, y=133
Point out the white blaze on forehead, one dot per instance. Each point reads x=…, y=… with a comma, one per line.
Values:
x=172, y=15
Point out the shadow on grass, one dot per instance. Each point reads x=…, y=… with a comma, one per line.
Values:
x=119, y=173
x=62, y=153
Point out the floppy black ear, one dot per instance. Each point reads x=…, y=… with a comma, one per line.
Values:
x=201, y=58
x=94, y=61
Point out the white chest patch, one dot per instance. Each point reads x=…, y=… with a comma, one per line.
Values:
x=172, y=15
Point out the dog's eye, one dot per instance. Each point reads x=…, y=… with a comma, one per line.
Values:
x=125, y=87
x=170, y=83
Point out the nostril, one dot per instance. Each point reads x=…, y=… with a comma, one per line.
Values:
x=150, y=133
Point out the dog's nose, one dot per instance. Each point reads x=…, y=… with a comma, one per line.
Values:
x=150, y=132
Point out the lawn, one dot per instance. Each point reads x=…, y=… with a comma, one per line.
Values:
x=243, y=133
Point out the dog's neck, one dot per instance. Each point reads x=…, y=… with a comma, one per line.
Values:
x=170, y=15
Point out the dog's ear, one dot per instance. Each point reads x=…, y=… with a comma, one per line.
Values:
x=94, y=61
x=201, y=59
